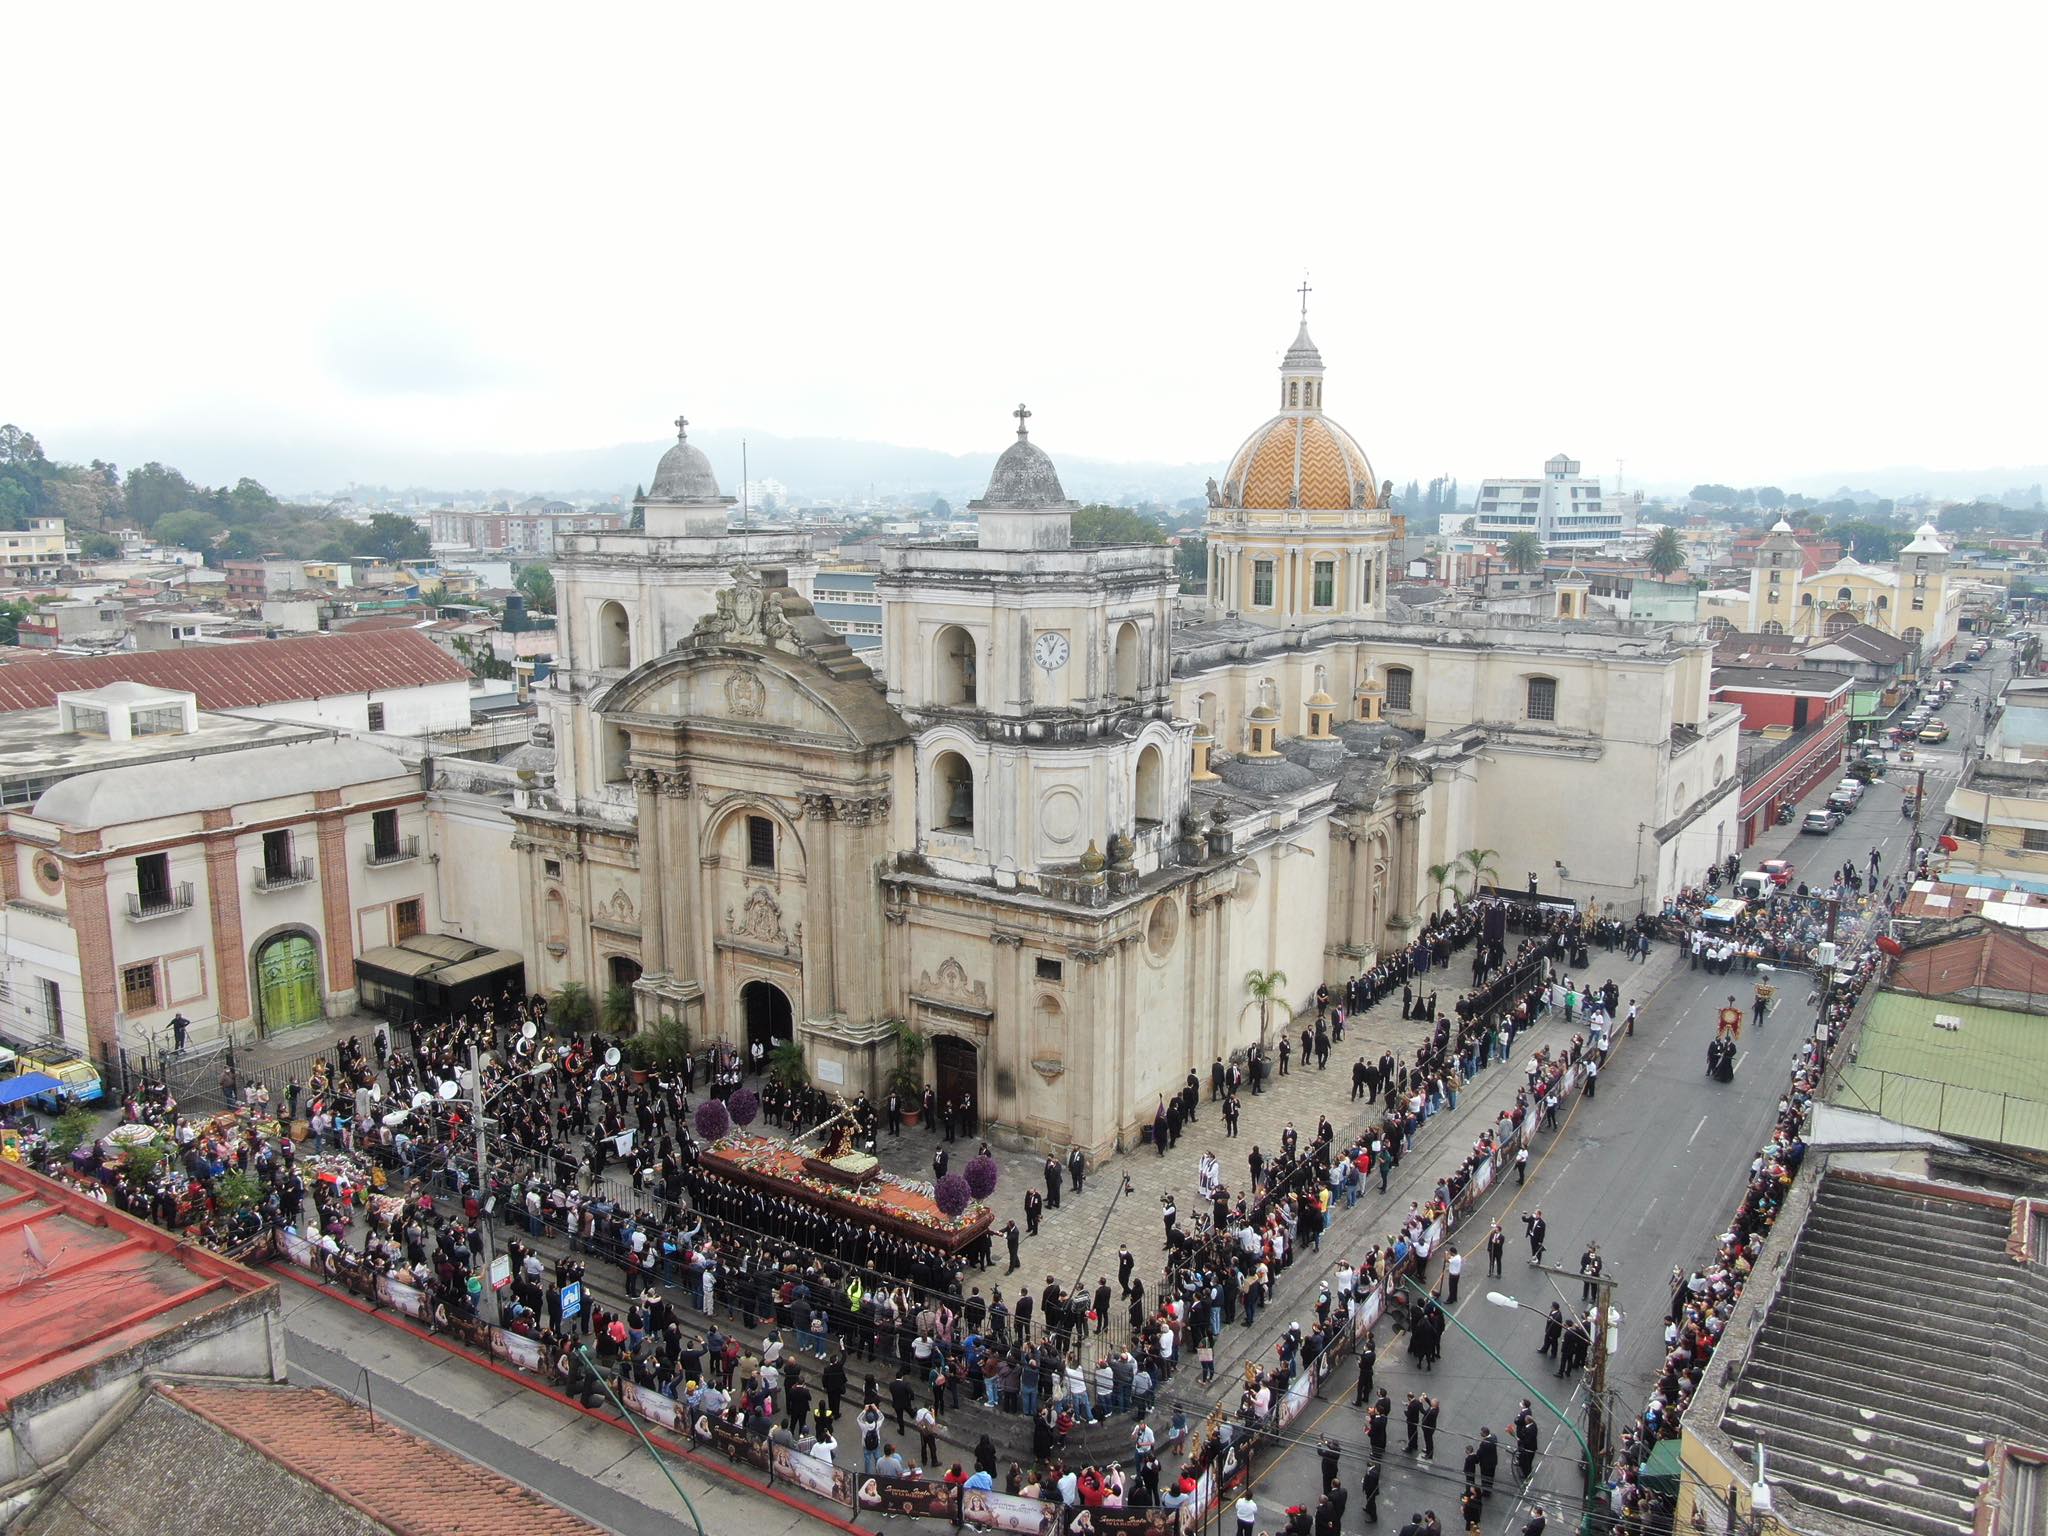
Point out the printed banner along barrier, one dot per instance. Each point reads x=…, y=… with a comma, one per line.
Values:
x=914, y=1497
x=991, y=1511
x=823, y=1479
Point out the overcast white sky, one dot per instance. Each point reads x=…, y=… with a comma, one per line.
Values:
x=1731, y=242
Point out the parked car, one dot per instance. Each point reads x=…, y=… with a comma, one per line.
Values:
x=1957, y=666
x=1780, y=871
x=1821, y=821
x=1934, y=730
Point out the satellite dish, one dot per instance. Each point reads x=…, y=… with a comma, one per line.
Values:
x=421, y=1099
x=529, y=1029
x=449, y=1088
x=611, y=1057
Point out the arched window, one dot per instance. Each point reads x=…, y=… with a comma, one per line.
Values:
x=1720, y=769
x=616, y=745
x=1844, y=595
x=1772, y=627
x=1542, y=698
x=1678, y=800
x=1913, y=636
x=1151, y=787
x=953, y=794
x=1720, y=626
x=1293, y=395
x=1837, y=622
x=1806, y=599
x=1400, y=688
x=557, y=919
x=614, y=637
x=1883, y=602
x=954, y=655
x=1126, y=661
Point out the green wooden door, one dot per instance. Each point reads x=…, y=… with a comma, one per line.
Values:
x=288, y=982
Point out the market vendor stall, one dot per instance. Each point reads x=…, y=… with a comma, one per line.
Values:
x=898, y=1205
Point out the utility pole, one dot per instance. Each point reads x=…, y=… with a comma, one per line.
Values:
x=1919, y=804
x=1605, y=1317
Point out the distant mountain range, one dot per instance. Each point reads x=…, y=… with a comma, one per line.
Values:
x=813, y=468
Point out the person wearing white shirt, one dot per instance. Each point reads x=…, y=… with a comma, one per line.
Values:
x=1247, y=1515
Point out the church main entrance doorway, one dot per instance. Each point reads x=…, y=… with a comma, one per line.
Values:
x=958, y=1067
x=765, y=1007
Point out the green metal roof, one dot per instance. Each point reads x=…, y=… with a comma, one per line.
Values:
x=1987, y=1080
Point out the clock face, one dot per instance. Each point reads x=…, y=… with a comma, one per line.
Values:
x=1051, y=651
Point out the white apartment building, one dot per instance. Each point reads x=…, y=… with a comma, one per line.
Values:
x=1562, y=508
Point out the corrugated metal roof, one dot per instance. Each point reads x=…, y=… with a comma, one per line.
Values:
x=1986, y=1079
x=242, y=676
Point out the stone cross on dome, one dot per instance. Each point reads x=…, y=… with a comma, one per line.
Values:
x=1022, y=414
x=682, y=428
x=1304, y=291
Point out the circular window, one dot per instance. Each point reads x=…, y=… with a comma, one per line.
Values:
x=1162, y=927
x=48, y=875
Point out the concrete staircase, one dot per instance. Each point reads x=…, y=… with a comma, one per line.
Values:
x=1896, y=1350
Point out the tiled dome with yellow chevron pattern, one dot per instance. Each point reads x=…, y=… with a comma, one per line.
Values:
x=1301, y=459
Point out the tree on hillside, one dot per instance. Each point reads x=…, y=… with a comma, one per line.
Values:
x=538, y=583
x=98, y=546
x=941, y=507
x=1525, y=551
x=1666, y=553
x=156, y=489
x=187, y=528
x=1191, y=560
x=393, y=537
x=11, y=615
x=1768, y=497
x=1717, y=495
x=1867, y=541
x=247, y=503
x=1115, y=525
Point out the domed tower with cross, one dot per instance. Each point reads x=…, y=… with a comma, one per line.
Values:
x=1036, y=672
x=1299, y=531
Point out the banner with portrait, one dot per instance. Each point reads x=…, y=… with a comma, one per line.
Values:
x=912, y=1497
x=516, y=1349
x=810, y=1474
x=737, y=1444
x=650, y=1404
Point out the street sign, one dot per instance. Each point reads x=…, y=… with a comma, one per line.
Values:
x=501, y=1271
x=572, y=1300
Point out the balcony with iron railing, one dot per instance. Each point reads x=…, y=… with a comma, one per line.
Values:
x=281, y=876
x=144, y=905
x=396, y=851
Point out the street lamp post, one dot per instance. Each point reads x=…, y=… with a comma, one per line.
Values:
x=1592, y=1465
x=596, y=1375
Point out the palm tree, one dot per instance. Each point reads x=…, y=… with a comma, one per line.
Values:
x=1478, y=863
x=1525, y=551
x=1440, y=875
x=1665, y=554
x=1268, y=991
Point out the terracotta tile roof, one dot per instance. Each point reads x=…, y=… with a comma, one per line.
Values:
x=408, y=1484
x=247, y=674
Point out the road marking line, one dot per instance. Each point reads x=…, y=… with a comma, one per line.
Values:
x=1695, y=1136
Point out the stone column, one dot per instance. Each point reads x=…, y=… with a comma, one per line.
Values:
x=337, y=913
x=85, y=901
x=1009, y=1049
x=653, y=866
x=821, y=904
x=224, y=905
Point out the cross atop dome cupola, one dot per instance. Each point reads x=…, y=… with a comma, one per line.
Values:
x=1301, y=370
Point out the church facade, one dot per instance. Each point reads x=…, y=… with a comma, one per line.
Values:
x=1914, y=598
x=1081, y=809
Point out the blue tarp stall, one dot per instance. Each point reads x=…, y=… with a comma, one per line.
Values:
x=29, y=1085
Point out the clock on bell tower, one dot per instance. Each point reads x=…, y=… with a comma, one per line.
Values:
x=1035, y=672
